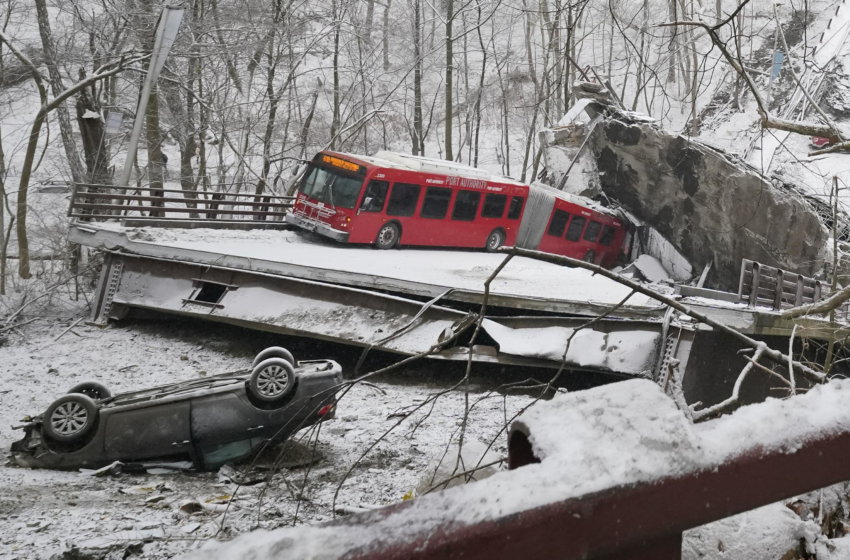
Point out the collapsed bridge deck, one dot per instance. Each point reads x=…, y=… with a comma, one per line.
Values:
x=280, y=281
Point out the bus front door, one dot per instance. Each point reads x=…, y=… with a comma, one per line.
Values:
x=370, y=213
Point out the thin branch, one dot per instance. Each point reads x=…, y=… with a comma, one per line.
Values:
x=812, y=375
x=824, y=116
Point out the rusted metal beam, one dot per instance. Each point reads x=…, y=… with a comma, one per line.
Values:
x=635, y=522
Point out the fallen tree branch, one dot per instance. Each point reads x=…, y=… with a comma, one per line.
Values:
x=776, y=356
x=444, y=483
x=768, y=371
x=767, y=121
x=836, y=132
x=732, y=402
x=840, y=147
x=819, y=307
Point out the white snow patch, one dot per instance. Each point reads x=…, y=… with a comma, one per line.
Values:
x=465, y=270
x=766, y=533
x=619, y=434
x=650, y=268
x=625, y=352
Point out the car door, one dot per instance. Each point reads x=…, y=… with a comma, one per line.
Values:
x=152, y=432
x=227, y=417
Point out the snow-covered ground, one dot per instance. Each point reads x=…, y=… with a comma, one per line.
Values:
x=43, y=513
x=611, y=437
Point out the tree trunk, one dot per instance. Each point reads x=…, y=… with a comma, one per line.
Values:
x=418, y=140
x=305, y=128
x=231, y=67
x=2, y=218
x=672, y=47
x=21, y=210
x=386, y=33
x=335, y=121
x=370, y=17
x=183, y=129
x=270, y=125
x=95, y=150
x=154, y=140
x=480, y=93
x=528, y=142
x=57, y=87
x=449, y=80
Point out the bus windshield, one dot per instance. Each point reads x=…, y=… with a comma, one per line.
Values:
x=331, y=187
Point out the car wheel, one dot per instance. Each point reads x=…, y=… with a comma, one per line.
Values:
x=272, y=380
x=388, y=236
x=495, y=240
x=70, y=418
x=92, y=389
x=274, y=352
x=589, y=257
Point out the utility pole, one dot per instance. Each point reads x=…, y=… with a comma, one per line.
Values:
x=166, y=33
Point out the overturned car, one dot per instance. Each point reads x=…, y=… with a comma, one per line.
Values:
x=206, y=422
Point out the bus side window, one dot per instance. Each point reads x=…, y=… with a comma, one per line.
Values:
x=376, y=194
x=516, y=208
x=466, y=205
x=576, y=227
x=607, y=236
x=592, y=233
x=558, y=223
x=436, y=203
x=494, y=205
x=403, y=199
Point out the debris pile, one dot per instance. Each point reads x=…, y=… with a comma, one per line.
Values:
x=712, y=207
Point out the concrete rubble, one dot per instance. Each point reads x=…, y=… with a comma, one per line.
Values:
x=710, y=206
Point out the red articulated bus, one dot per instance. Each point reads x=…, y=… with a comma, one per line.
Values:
x=390, y=199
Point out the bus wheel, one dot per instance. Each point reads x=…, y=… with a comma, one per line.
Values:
x=495, y=240
x=388, y=236
x=589, y=257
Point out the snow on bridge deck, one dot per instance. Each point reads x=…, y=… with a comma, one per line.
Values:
x=523, y=284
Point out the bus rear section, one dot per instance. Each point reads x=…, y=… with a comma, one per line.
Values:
x=558, y=223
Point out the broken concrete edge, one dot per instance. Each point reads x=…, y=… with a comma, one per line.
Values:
x=710, y=205
x=355, y=316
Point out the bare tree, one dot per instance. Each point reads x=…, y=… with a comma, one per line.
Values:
x=47, y=105
x=56, y=87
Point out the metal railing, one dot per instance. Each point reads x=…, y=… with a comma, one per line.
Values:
x=773, y=287
x=106, y=202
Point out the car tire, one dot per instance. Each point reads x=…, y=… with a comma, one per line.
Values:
x=92, y=389
x=274, y=352
x=70, y=418
x=589, y=257
x=272, y=380
x=495, y=240
x=388, y=236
